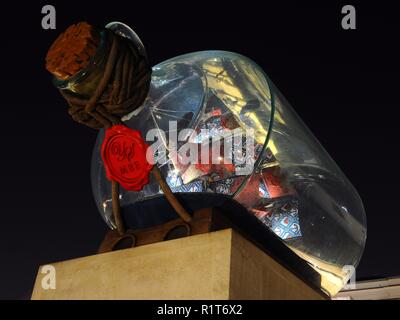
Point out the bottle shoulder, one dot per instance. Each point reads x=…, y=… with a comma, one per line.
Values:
x=182, y=87
x=206, y=55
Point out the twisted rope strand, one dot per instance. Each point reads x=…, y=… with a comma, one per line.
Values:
x=122, y=88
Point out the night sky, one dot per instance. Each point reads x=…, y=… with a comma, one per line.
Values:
x=344, y=84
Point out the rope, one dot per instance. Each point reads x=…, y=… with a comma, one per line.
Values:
x=123, y=87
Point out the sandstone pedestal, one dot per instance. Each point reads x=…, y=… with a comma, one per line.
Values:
x=216, y=265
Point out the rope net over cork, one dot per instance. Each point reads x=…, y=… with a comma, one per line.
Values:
x=125, y=79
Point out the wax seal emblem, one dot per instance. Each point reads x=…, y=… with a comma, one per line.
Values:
x=124, y=156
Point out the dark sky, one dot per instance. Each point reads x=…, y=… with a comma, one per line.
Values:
x=343, y=84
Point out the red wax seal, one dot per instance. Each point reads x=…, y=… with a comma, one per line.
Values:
x=124, y=156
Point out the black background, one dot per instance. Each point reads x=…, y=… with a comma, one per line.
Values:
x=343, y=84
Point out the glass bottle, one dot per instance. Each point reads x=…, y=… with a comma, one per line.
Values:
x=293, y=186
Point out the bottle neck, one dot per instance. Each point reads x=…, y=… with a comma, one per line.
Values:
x=115, y=82
x=85, y=82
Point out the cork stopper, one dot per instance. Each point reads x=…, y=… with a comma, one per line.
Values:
x=72, y=50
